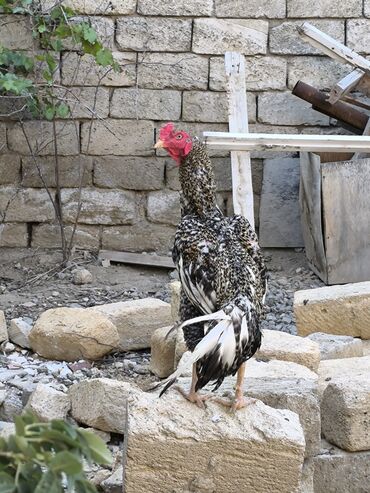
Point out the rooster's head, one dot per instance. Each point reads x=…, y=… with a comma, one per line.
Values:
x=177, y=143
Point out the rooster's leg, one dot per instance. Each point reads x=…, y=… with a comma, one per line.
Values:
x=239, y=401
x=193, y=396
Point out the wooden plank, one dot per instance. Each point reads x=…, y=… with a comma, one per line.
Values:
x=311, y=213
x=333, y=48
x=346, y=207
x=345, y=85
x=286, y=143
x=238, y=122
x=136, y=258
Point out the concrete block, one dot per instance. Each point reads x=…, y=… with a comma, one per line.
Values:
x=153, y=34
x=11, y=24
x=136, y=320
x=13, y=235
x=341, y=472
x=118, y=137
x=263, y=73
x=178, y=71
x=341, y=310
x=282, y=108
x=99, y=206
x=284, y=38
x=25, y=205
x=272, y=9
x=174, y=446
x=82, y=70
x=358, y=35
x=215, y=36
x=331, y=369
x=345, y=409
x=146, y=104
x=164, y=207
x=320, y=72
x=162, y=356
x=10, y=168
x=193, y=8
x=335, y=347
x=3, y=328
x=70, y=170
x=46, y=403
x=326, y=8
x=131, y=173
x=48, y=236
x=286, y=347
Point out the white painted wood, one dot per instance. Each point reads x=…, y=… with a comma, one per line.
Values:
x=360, y=155
x=345, y=85
x=331, y=47
x=238, y=122
x=283, y=142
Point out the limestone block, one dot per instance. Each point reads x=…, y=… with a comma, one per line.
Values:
x=19, y=331
x=86, y=102
x=3, y=328
x=11, y=24
x=286, y=347
x=182, y=354
x=326, y=8
x=118, y=137
x=10, y=167
x=320, y=72
x=142, y=237
x=69, y=334
x=25, y=205
x=40, y=136
x=335, y=347
x=164, y=207
x=101, y=403
x=163, y=352
x=104, y=27
x=135, y=320
x=285, y=109
x=358, y=37
x=344, y=412
x=91, y=7
x=367, y=8
x=284, y=38
x=13, y=235
x=207, y=106
x=48, y=236
x=192, y=8
x=82, y=70
x=174, y=446
x=70, y=170
x=272, y=9
x=341, y=472
x=307, y=477
x=177, y=71
x=132, y=173
x=153, y=34
x=366, y=347
x=99, y=206
x=46, y=403
x=146, y=104
x=341, y=310
x=263, y=73
x=332, y=369
x=215, y=36
x=175, y=288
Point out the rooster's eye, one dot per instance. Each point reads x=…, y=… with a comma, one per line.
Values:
x=179, y=137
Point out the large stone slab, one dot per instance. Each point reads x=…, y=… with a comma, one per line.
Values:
x=162, y=356
x=286, y=347
x=280, y=220
x=135, y=320
x=335, y=347
x=174, y=446
x=341, y=310
x=330, y=370
x=345, y=410
x=46, y=403
x=69, y=334
x=272, y=9
x=173, y=7
x=326, y=8
x=13, y=235
x=341, y=472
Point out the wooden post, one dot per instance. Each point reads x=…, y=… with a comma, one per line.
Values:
x=238, y=123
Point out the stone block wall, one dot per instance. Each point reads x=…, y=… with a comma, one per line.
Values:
x=171, y=56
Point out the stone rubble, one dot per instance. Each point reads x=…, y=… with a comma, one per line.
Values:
x=19, y=331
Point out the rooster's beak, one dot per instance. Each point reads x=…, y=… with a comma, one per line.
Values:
x=159, y=144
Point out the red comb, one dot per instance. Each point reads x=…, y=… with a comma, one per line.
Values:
x=166, y=130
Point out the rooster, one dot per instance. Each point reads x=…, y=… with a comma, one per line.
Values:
x=222, y=274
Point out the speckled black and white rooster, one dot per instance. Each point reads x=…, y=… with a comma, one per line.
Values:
x=222, y=274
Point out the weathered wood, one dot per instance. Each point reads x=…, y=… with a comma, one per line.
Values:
x=346, y=207
x=136, y=258
x=345, y=85
x=286, y=143
x=238, y=122
x=331, y=47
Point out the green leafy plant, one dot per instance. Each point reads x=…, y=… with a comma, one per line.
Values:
x=48, y=457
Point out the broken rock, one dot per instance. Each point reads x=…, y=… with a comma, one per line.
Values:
x=175, y=288
x=46, y=403
x=70, y=334
x=19, y=331
x=3, y=329
x=162, y=356
x=82, y=276
x=334, y=346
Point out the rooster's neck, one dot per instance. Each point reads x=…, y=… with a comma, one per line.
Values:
x=197, y=182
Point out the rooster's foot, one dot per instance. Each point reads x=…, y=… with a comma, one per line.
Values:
x=238, y=403
x=194, y=397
